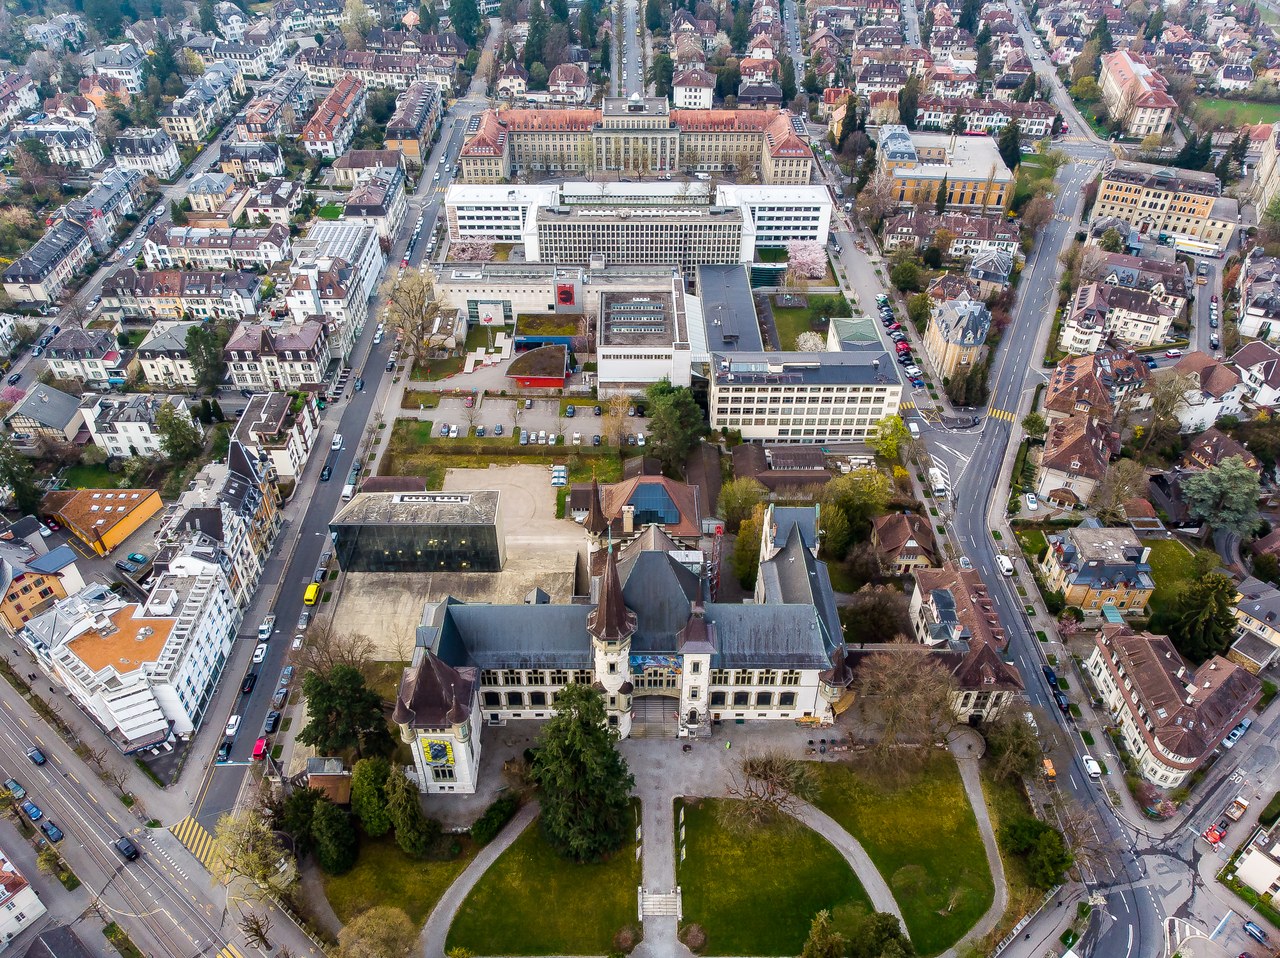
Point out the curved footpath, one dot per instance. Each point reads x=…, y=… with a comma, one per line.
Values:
x=961, y=743
x=436, y=930
x=872, y=881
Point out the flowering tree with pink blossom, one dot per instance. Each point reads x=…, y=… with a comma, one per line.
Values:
x=12, y=394
x=475, y=252
x=807, y=260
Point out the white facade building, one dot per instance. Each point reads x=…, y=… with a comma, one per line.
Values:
x=126, y=426
x=19, y=903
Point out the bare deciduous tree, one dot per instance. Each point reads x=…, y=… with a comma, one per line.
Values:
x=909, y=694
x=256, y=928
x=1168, y=391
x=1085, y=836
x=1125, y=479
x=770, y=787
x=245, y=846
x=412, y=308
x=326, y=647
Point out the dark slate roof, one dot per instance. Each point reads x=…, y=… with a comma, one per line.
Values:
x=662, y=593
x=55, y=560
x=767, y=636
x=794, y=576
x=515, y=636
x=433, y=694
x=785, y=518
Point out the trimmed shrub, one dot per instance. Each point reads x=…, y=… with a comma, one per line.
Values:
x=626, y=938
x=496, y=816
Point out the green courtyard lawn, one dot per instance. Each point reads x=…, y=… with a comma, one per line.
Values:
x=919, y=830
x=1032, y=175
x=89, y=477
x=1237, y=113
x=384, y=875
x=1033, y=543
x=734, y=888
x=330, y=211
x=1170, y=567
x=533, y=902
x=791, y=322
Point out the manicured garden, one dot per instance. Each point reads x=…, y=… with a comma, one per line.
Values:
x=918, y=828
x=89, y=477
x=735, y=887
x=1171, y=566
x=790, y=323
x=1033, y=543
x=384, y=875
x=533, y=902
x=1238, y=112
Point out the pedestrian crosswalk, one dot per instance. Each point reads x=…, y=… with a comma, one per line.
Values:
x=907, y=405
x=193, y=835
x=1001, y=414
x=230, y=951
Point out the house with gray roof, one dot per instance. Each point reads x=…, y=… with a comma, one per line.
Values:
x=957, y=335
x=41, y=273
x=45, y=413
x=650, y=635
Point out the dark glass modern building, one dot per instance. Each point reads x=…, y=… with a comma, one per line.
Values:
x=419, y=532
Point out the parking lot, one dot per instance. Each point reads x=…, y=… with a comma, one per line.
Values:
x=544, y=414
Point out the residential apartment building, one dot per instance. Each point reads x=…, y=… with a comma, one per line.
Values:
x=1035, y=118
x=144, y=672
x=956, y=336
x=264, y=358
x=18, y=96
x=329, y=291
x=40, y=274
x=1259, y=367
x=415, y=121
x=33, y=577
x=276, y=110
x=1076, y=453
x=89, y=355
x=1171, y=715
x=151, y=152
x=126, y=426
x=904, y=541
x=1102, y=571
x=1257, y=612
x=355, y=244
x=123, y=62
x=20, y=906
x=273, y=201
x=919, y=164
x=1135, y=94
x=1259, y=295
x=1167, y=280
x=1183, y=207
x=157, y=294
x=969, y=235
x=164, y=358
x=636, y=135
x=1101, y=314
x=1097, y=384
x=332, y=127
x=178, y=247
x=247, y=161
x=67, y=142
x=379, y=199
x=326, y=65
x=1218, y=390
x=693, y=89
x=44, y=413
x=193, y=116
x=102, y=211
x=281, y=430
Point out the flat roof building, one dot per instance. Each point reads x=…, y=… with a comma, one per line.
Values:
x=643, y=338
x=920, y=164
x=420, y=532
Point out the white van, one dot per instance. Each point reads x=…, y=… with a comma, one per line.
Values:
x=1005, y=564
x=1092, y=767
x=914, y=429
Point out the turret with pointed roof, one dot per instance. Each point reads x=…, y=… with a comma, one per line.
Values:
x=595, y=524
x=611, y=620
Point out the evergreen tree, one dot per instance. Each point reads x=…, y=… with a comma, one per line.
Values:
x=941, y=200
x=909, y=102
x=676, y=424
x=217, y=411
x=1204, y=621
x=369, y=795
x=662, y=74
x=415, y=833
x=343, y=715
x=537, y=35
x=1102, y=33
x=559, y=10
x=336, y=843
x=1155, y=24
x=19, y=476
x=1009, y=143
x=926, y=30
x=788, y=80
x=958, y=123
x=606, y=54
x=983, y=62
x=584, y=783
x=653, y=15
x=206, y=412
x=465, y=17
x=587, y=25
x=968, y=19
x=739, y=35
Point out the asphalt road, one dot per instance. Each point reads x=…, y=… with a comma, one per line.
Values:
x=632, y=78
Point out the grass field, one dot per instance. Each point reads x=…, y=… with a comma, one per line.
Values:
x=919, y=830
x=1033, y=543
x=791, y=323
x=1006, y=802
x=533, y=902
x=384, y=875
x=1170, y=567
x=1238, y=112
x=747, y=909
x=89, y=477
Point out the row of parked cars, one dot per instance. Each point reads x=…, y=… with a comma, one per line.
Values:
x=36, y=815
x=900, y=343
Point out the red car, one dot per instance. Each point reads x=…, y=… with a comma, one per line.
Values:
x=904, y=347
x=1213, y=299
x=52, y=525
x=469, y=401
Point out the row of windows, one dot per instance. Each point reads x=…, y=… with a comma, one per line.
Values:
x=773, y=421
x=798, y=391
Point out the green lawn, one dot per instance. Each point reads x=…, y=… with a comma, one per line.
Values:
x=384, y=875
x=1033, y=543
x=791, y=322
x=1170, y=567
x=533, y=902
x=1004, y=803
x=330, y=211
x=747, y=905
x=919, y=830
x=1238, y=112
x=89, y=477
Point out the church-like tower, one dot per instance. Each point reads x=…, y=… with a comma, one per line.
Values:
x=595, y=524
x=611, y=625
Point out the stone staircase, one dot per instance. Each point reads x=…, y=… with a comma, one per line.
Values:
x=654, y=903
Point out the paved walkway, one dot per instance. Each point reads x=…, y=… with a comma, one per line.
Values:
x=872, y=881
x=967, y=745
x=431, y=941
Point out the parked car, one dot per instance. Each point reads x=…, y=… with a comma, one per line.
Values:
x=138, y=558
x=1254, y=932
x=272, y=723
x=479, y=432
x=52, y=831
x=260, y=653
x=32, y=810
x=249, y=682
x=14, y=379
x=597, y=410
x=279, y=698
x=453, y=432
x=326, y=473
x=1032, y=502
x=595, y=440
x=570, y=411
x=15, y=788
x=524, y=437
x=233, y=726
x=1173, y=353
x=469, y=401
x=1236, y=733
x=224, y=752
x=125, y=566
